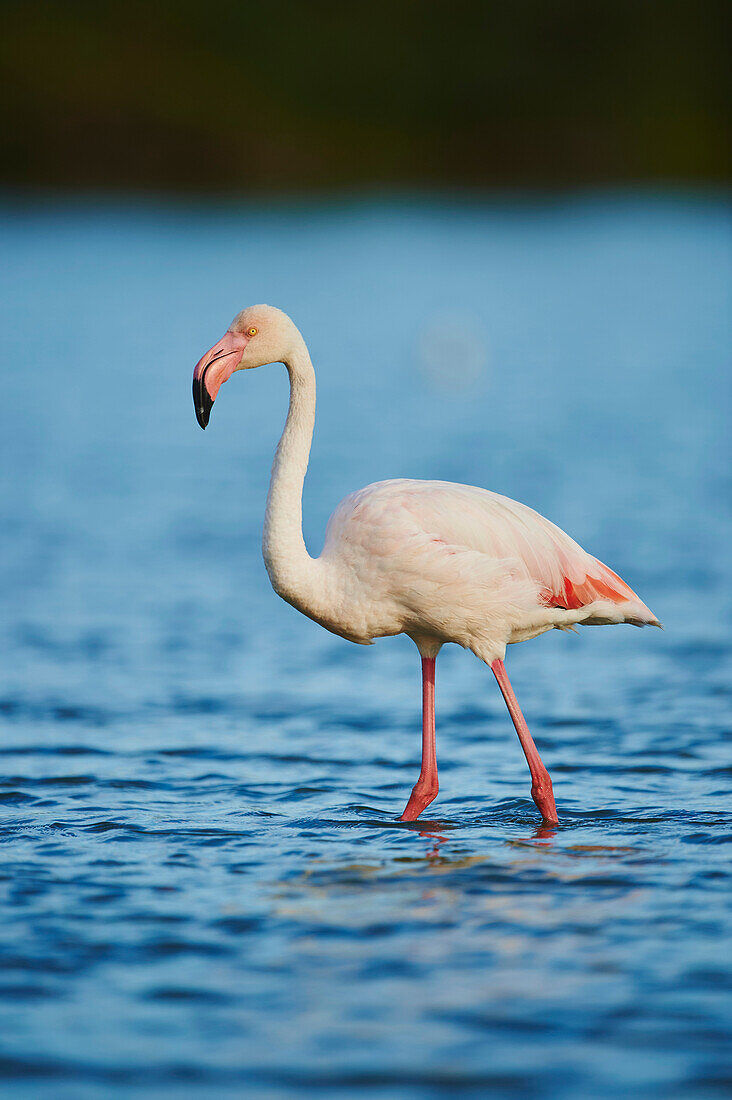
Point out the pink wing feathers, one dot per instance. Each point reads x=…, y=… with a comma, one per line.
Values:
x=605, y=586
x=570, y=578
x=475, y=518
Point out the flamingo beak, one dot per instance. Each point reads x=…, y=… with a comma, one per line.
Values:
x=216, y=366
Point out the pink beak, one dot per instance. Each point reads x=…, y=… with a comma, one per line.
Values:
x=216, y=366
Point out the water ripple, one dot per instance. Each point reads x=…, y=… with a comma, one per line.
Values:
x=206, y=890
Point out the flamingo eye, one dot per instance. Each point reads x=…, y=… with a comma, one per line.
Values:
x=252, y=331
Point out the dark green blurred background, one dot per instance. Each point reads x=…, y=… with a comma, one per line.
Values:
x=281, y=95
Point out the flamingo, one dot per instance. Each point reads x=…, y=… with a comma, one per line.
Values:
x=437, y=561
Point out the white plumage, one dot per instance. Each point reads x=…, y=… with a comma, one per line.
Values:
x=438, y=561
x=455, y=563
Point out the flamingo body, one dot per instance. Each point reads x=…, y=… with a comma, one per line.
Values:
x=437, y=561
x=443, y=562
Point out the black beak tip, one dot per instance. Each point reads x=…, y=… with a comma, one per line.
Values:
x=202, y=402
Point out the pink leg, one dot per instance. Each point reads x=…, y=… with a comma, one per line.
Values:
x=426, y=787
x=541, y=784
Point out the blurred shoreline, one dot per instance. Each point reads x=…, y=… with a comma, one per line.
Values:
x=663, y=194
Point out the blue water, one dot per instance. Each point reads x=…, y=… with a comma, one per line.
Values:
x=205, y=891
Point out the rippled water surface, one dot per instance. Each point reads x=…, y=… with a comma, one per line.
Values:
x=205, y=890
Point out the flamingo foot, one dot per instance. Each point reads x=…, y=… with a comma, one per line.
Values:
x=420, y=798
x=543, y=795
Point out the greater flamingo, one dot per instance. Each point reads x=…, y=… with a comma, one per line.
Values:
x=437, y=561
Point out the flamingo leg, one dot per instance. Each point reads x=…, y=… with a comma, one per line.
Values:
x=541, y=784
x=426, y=788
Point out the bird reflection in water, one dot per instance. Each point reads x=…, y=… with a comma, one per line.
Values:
x=544, y=834
x=433, y=852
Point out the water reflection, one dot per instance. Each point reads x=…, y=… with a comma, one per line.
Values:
x=437, y=839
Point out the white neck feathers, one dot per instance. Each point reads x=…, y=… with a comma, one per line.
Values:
x=290, y=567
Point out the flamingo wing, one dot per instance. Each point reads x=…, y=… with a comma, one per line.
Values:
x=464, y=517
x=570, y=579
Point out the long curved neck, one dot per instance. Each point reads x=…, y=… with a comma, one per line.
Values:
x=289, y=565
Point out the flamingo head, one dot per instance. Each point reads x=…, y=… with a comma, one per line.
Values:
x=257, y=335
